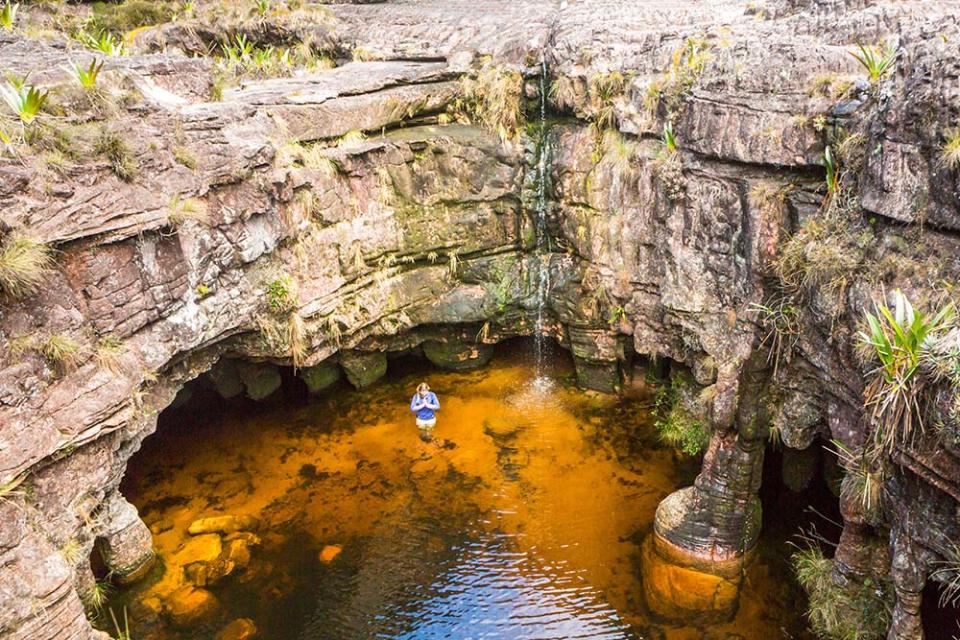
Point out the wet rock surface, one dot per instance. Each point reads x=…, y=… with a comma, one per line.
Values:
x=284, y=243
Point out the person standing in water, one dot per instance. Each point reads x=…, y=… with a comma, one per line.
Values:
x=425, y=404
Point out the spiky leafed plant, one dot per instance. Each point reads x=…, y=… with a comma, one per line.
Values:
x=863, y=481
x=948, y=574
x=239, y=50
x=667, y=139
x=876, y=60
x=901, y=337
x=8, y=15
x=26, y=101
x=87, y=77
x=104, y=42
x=832, y=166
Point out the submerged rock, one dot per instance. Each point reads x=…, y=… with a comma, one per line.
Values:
x=189, y=605
x=223, y=524
x=330, y=552
x=239, y=629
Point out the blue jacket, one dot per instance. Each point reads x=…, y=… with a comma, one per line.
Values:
x=419, y=405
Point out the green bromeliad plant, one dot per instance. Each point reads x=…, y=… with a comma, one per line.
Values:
x=902, y=339
x=877, y=61
x=25, y=101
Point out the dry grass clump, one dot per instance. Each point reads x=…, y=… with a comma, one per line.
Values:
x=858, y=611
x=603, y=89
x=122, y=163
x=831, y=85
x=61, y=350
x=673, y=87
x=494, y=99
x=24, y=265
x=182, y=210
x=820, y=257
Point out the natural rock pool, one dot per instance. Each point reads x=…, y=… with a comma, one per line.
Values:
x=524, y=519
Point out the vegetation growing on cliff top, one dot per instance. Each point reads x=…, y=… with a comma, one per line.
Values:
x=494, y=98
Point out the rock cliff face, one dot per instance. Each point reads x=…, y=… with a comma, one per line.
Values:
x=204, y=229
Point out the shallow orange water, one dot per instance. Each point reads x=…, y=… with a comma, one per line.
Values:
x=523, y=519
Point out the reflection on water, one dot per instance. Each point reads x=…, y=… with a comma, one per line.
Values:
x=522, y=520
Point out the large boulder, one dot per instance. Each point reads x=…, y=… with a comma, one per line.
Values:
x=363, y=368
x=320, y=377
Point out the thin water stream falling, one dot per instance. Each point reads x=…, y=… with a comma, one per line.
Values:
x=541, y=210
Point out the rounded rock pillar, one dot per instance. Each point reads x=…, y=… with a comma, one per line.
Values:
x=704, y=534
x=125, y=544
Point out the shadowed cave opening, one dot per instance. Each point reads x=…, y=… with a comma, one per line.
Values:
x=324, y=516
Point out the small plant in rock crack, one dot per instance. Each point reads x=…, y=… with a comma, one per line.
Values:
x=86, y=76
x=677, y=425
x=8, y=15
x=239, y=50
x=901, y=339
x=877, y=61
x=863, y=481
x=832, y=167
x=280, y=294
x=950, y=151
x=668, y=140
x=262, y=7
x=668, y=166
x=781, y=318
x=25, y=101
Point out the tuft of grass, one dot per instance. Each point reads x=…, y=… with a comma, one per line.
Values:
x=676, y=424
x=72, y=551
x=61, y=350
x=950, y=151
x=297, y=344
x=819, y=257
x=351, y=139
x=121, y=633
x=86, y=76
x=948, y=574
x=673, y=87
x=901, y=338
x=26, y=101
x=602, y=91
x=859, y=611
x=877, y=61
x=863, y=481
x=185, y=156
x=115, y=150
x=453, y=263
x=832, y=166
x=24, y=265
x=781, y=319
x=182, y=210
x=108, y=352
x=494, y=99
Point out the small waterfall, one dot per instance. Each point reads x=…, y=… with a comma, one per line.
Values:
x=541, y=205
